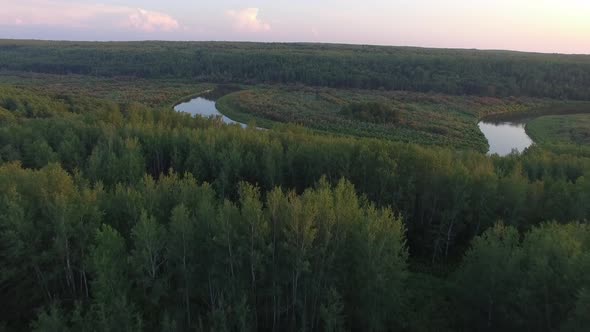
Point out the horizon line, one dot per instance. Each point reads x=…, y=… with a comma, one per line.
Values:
x=294, y=42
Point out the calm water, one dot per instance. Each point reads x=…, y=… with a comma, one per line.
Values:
x=205, y=108
x=504, y=137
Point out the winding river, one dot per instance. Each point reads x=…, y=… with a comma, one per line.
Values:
x=505, y=136
x=202, y=106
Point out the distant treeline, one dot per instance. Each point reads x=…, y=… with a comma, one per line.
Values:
x=471, y=72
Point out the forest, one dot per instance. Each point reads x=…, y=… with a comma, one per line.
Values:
x=119, y=214
x=459, y=72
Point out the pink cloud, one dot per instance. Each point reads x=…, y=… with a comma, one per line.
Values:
x=246, y=20
x=65, y=14
x=152, y=21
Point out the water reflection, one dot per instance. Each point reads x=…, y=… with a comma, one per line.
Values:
x=204, y=107
x=504, y=137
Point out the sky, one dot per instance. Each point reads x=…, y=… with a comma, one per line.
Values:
x=550, y=26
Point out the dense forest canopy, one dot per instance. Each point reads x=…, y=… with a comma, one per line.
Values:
x=123, y=216
x=471, y=72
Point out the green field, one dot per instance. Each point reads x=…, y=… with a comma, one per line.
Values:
x=560, y=129
x=431, y=119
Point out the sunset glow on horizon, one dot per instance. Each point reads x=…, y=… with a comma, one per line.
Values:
x=525, y=25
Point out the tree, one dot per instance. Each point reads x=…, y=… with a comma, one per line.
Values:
x=148, y=258
x=181, y=254
x=487, y=282
x=112, y=309
x=51, y=320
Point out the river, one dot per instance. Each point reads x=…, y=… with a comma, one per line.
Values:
x=505, y=136
x=205, y=107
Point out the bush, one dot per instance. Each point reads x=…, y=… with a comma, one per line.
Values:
x=371, y=112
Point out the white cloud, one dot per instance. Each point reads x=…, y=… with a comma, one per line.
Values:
x=246, y=20
x=80, y=15
x=151, y=21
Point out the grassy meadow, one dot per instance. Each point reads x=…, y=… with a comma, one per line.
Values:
x=564, y=129
x=424, y=118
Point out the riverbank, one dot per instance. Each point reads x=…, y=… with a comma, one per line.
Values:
x=560, y=129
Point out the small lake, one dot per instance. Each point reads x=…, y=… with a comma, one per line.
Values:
x=504, y=137
x=204, y=107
